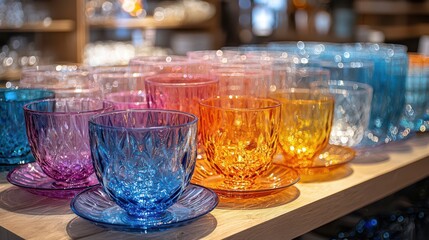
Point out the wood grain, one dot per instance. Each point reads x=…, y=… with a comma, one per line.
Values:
x=286, y=215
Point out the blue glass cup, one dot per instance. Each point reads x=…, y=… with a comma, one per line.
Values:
x=390, y=73
x=388, y=79
x=14, y=146
x=416, y=112
x=144, y=160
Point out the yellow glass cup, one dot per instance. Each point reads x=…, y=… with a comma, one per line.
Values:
x=240, y=136
x=305, y=125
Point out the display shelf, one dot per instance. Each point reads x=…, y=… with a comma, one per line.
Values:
x=62, y=38
x=10, y=75
x=284, y=215
x=397, y=20
x=147, y=22
x=384, y=7
x=399, y=32
x=46, y=26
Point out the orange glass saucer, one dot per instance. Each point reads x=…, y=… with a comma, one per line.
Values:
x=331, y=156
x=277, y=177
x=330, y=164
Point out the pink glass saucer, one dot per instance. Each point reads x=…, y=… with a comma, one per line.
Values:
x=276, y=178
x=31, y=177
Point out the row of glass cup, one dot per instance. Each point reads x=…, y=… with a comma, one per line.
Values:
x=127, y=85
x=382, y=66
x=247, y=104
x=239, y=136
x=71, y=138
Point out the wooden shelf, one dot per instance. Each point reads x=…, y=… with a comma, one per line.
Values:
x=384, y=7
x=285, y=215
x=147, y=22
x=10, y=75
x=398, y=32
x=48, y=26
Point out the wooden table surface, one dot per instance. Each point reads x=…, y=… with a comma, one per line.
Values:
x=288, y=214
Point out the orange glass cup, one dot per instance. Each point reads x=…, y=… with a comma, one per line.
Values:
x=305, y=125
x=240, y=136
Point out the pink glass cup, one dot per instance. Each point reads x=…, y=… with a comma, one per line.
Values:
x=212, y=55
x=166, y=64
x=241, y=78
x=127, y=100
x=57, y=131
x=180, y=92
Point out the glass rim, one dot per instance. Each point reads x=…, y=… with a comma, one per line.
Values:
x=321, y=96
x=49, y=94
x=275, y=103
x=180, y=80
x=350, y=63
x=200, y=54
x=73, y=68
x=193, y=119
x=125, y=93
x=113, y=97
x=93, y=111
x=362, y=88
x=162, y=60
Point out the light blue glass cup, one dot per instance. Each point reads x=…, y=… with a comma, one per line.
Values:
x=416, y=112
x=390, y=73
x=390, y=64
x=14, y=146
x=144, y=160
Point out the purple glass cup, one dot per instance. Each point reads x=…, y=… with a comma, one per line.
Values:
x=57, y=131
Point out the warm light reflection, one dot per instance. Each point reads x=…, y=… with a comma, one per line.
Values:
x=132, y=7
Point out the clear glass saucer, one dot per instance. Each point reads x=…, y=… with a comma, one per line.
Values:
x=95, y=205
x=32, y=178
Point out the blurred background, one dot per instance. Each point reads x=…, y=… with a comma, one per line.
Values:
x=106, y=32
x=111, y=32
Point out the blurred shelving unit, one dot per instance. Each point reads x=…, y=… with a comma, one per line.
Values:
x=64, y=36
x=396, y=20
x=60, y=37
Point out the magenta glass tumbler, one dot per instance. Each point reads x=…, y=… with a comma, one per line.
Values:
x=57, y=131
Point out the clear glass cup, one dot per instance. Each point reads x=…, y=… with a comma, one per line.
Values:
x=351, y=111
x=166, y=64
x=70, y=80
x=117, y=79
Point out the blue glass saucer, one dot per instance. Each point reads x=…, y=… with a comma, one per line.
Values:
x=95, y=205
